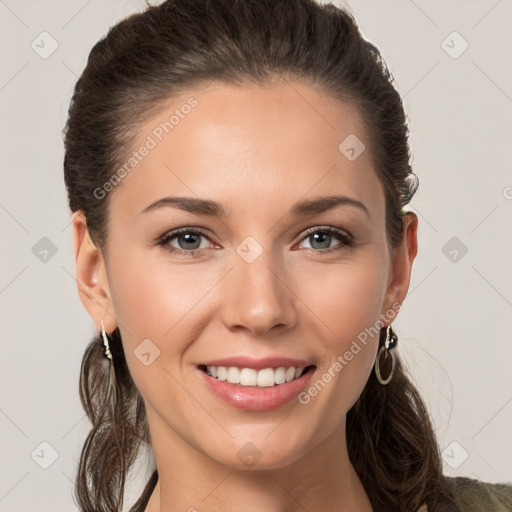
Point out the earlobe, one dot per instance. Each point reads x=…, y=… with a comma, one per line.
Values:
x=91, y=275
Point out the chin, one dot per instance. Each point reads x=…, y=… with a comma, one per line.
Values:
x=261, y=453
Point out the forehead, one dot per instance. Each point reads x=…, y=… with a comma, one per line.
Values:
x=264, y=146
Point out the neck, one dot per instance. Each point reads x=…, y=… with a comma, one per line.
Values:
x=322, y=479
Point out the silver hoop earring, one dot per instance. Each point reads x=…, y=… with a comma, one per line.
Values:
x=107, y=352
x=390, y=342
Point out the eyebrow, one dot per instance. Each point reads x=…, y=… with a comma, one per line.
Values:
x=212, y=209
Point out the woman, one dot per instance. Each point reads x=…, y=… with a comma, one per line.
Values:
x=238, y=174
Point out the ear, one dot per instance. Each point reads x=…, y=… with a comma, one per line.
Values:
x=401, y=266
x=91, y=276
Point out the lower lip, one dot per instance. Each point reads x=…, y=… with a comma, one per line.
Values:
x=253, y=398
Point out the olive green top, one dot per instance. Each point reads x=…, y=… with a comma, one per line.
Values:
x=475, y=496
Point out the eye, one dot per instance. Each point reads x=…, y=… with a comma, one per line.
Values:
x=320, y=239
x=188, y=241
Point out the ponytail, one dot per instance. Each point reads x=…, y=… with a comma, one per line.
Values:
x=116, y=411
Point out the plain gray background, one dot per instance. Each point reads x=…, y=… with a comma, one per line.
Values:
x=455, y=328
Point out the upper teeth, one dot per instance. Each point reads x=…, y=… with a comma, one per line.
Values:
x=250, y=377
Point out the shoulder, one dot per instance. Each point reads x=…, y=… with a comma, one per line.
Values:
x=476, y=496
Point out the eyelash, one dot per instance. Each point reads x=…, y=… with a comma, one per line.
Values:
x=341, y=235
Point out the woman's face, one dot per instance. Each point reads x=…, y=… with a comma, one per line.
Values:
x=279, y=281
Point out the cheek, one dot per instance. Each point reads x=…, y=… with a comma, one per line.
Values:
x=347, y=300
x=159, y=302
x=152, y=300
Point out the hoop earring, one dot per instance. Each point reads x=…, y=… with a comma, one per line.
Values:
x=107, y=352
x=390, y=342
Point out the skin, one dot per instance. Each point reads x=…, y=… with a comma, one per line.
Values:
x=257, y=150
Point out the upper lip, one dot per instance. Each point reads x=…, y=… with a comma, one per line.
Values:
x=258, y=364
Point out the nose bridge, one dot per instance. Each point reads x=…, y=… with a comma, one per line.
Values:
x=258, y=298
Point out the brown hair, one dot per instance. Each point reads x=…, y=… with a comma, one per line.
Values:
x=164, y=51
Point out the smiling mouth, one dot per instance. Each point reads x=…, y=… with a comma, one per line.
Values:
x=264, y=378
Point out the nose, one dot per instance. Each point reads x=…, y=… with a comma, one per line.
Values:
x=257, y=296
